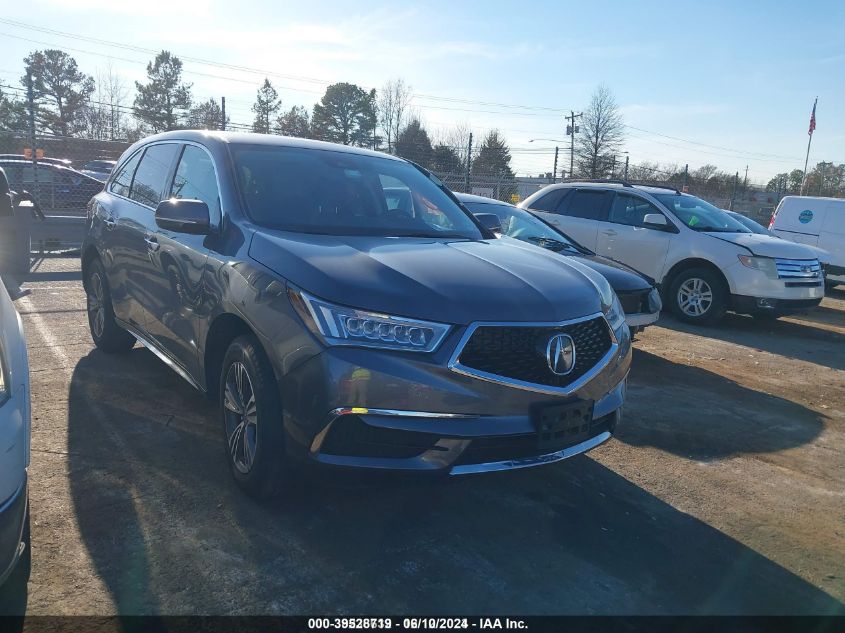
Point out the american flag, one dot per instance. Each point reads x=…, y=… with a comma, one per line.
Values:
x=813, y=118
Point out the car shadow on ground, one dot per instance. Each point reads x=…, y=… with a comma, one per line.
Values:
x=665, y=409
x=781, y=337
x=168, y=532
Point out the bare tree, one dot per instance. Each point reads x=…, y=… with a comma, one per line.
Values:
x=602, y=134
x=457, y=138
x=104, y=115
x=392, y=107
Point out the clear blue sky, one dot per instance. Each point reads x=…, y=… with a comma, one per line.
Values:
x=740, y=76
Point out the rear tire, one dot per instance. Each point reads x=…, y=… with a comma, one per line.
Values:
x=251, y=416
x=14, y=591
x=698, y=296
x=106, y=333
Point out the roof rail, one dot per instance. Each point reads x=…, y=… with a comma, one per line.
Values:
x=606, y=181
x=656, y=186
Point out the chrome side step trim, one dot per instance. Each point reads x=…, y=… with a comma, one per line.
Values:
x=528, y=462
x=163, y=357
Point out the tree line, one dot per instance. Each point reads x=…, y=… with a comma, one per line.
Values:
x=71, y=103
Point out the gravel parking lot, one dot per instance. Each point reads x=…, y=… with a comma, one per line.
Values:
x=723, y=492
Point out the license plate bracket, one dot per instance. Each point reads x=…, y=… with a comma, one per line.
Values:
x=562, y=425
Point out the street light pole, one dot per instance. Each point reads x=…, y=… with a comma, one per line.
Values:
x=571, y=129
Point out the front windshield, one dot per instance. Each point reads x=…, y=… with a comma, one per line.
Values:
x=700, y=215
x=750, y=224
x=338, y=193
x=523, y=226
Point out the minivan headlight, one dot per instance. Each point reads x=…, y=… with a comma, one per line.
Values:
x=763, y=264
x=341, y=325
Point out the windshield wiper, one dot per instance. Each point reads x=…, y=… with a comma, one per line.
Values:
x=551, y=243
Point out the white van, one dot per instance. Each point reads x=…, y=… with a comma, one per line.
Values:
x=705, y=261
x=815, y=221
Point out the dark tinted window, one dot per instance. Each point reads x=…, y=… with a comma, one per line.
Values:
x=630, y=210
x=341, y=193
x=122, y=181
x=148, y=184
x=195, y=179
x=550, y=201
x=588, y=204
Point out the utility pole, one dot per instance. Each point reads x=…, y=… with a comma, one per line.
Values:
x=469, y=163
x=571, y=131
x=223, y=113
x=613, y=167
x=626, y=166
x=686, y=177
x=30, y=98
x=745, y=181
x=822, y=167
x=554, y=172
x=733, y=195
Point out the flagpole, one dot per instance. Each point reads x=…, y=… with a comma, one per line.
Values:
x=809, y=142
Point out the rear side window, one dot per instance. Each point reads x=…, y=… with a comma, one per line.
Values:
x=551, y=201
x=630, y=210
x=588, y=204
x=149, y=182
x=195, y=179
x=122, y=181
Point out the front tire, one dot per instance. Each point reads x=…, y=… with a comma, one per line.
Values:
x=698, y=296
x=251, y=414
x=106, y=333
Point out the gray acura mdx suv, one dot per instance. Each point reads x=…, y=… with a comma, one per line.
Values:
x=337, y=324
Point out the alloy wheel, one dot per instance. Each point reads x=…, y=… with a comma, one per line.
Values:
x=241, y=417
x=96, y=304
x=695, y=297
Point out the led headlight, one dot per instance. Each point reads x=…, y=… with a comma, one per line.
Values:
x=763, y=264
x=341, y=325
x=4, y=379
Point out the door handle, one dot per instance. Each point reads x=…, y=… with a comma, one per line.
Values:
x=610, y=232
x=109, y=221
x=152, y=243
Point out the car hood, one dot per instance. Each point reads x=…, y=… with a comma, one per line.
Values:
x=451, y=281
x=767, y=246
x=621, y=278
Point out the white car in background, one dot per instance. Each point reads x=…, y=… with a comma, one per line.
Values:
x=822, y=255
x=15, y=555
x=705, y=261
x=816, y=222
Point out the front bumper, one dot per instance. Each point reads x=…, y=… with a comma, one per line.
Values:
x=768, y=305
x=12, y=519
x=387, y=410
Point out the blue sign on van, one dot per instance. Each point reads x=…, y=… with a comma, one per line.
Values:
x=805, y=216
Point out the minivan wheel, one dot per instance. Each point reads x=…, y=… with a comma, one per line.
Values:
x=107, y=334
x=251, y=413
x=698, y=296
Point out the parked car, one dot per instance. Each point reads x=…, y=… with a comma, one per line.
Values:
x=99, y=169
x=817, y=222
x=61, y=162
x=705, y=261
x=755, y=227
x=54, y=186
x=271, y=273
x=637, y=293
x=15, y=551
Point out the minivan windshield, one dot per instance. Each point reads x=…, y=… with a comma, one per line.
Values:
x=700, y=215
x=338, y=193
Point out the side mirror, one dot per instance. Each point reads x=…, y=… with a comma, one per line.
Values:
x=184, y=216
x=655, y=221
x=490, y=221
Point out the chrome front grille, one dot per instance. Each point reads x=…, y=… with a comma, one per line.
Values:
x=798, y=268
x=515, y=354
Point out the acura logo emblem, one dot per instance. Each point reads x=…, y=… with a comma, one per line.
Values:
x=560, y=354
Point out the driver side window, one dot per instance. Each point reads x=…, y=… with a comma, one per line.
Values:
x=630, y=210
